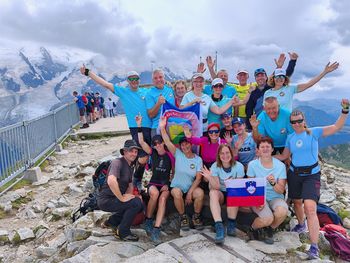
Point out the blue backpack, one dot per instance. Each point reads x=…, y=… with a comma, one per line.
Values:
x=327, y=215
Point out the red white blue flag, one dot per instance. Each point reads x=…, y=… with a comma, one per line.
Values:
x=246, y=192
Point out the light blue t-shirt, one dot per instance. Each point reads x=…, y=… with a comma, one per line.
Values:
x=212, y=117
x=134, y=102
x=278, y=170
x=152, y=98
x=248, y=150
x=227, y=91
x=304, y=148
x=185, y=170
x=237, y=171
x=205, y=106
x=278, y=129
x=284, y=96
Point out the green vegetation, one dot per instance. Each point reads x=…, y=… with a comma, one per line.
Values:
x=2, y=214
x=343, y=214
x=22, y=200
x=338, y=155
x=102, y=135
x=18, y=185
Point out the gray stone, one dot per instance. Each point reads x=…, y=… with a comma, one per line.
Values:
x=37, y=208
x=346, y=223
x=25, y=233
x=59, y=148
x=75, y=189
x=61, y=212
x=98, y=216
x=330, y=178
x=154, y=256
x=84, y=222
x=87, y=171
x=63, y=152
x=4, y=237
x=42, y=181
x=327, y=196
x=58, y=241
x=33, y=174
x=26, y=213
x=52, y=158
x=63, y=202
x=8, y=208
x=77, y=234
x=337, y=206
x=45, y=252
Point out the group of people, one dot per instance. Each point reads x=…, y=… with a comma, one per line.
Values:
x=92, y=107
x=249, y=130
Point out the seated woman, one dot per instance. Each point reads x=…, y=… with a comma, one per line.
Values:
x=275, y=210
x=304, y=173
x=158, y=187
x=186, y=179
x=224, y=168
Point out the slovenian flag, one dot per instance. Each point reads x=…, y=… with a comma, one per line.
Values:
x=245, y=192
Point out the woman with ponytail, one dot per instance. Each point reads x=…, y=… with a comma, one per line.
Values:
x=304, y=173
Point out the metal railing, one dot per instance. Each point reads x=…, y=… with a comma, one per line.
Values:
x=24, y=143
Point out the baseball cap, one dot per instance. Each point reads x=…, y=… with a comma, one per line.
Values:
x=242, y=71
x=128, y=145
x=132, y=73
x=237, y=120
x=197, y=75
x=225, y=115
x=157, y=138
x=217, y=81
x=279, y=72
x=259, y=70
x=213, y=124
x=183, y=139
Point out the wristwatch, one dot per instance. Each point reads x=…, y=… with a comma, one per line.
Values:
x=272, y=184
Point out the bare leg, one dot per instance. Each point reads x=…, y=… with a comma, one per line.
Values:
x=198, y=197
x=178, y=200
x=299, y=210
x=312, y=220
x=216, y=198
x=164, y=195
x=152, y=203
x=279, y=215
x=232, y=212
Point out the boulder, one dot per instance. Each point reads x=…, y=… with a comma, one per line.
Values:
x=327, y=196
x=61, y=212
x=76, y=234
x=84, y=222
x=346, y=223
x=63, y=202
x=26, y=213
x=74, y=189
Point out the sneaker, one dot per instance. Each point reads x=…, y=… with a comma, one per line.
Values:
x=155, y=236
x=269, y=235
x=197, y=222
x=231, y=228
x=148, y=226
x=299, y=228
x=131, y=237
x=85, y=125
x=313, y=252
x=220, y=233
x=185, y=224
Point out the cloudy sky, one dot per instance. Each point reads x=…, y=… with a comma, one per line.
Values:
x=246, y=34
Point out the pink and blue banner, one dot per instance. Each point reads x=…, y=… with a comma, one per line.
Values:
x=246, y=192
x=178, y=118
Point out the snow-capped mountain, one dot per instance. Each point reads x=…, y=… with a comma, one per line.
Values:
x=34, y=80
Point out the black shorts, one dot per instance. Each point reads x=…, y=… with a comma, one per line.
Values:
x=304, y=187
x=205, y=186
x=158, y=186
x=277, y=150
x=81, y=112
x=89, y=109
x=146, y=137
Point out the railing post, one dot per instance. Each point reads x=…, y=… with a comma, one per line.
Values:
x=55, y=126
x=26, y=134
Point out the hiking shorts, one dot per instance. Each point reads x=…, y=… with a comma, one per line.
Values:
x=304, y=187
x=82, y=112
x=263, y=213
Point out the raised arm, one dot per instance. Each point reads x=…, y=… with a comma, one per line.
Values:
x=97, y=79
x=331, y=129
x=211, y=63
x=142, y=142
x=328, y=68
x=254, y=122
x=291, y=64
x=166, y=139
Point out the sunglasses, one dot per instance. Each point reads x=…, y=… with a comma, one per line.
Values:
x=219, y=86
x=279, y=77
x=296, y=121
x=213, y=131
x=156, y=143
x=134, y=79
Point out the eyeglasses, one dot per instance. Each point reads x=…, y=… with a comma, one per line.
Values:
x=213, y=131
x=296, y=121
x=259, y=70
x=134, y=79
x=279, y=77
x=218, y=86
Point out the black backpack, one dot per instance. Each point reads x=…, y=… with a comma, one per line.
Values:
x=89, y=204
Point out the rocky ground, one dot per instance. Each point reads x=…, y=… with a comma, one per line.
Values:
x=36, y=224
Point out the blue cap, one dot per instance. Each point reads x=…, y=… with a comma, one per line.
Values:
x=237, y=120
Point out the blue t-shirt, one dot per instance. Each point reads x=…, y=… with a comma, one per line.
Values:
x=80, y=102
x=278, y=170
x=152, y=98
x=212, y=117
x=134, y=102
x=304, y=148
x=278, y=129
x=284, y=96
x=237, y=171
x=248, y=150
x=205, y=106
x=227, y=92
x=185, y=170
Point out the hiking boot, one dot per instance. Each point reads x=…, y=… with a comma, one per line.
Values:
x=313, y=252
x=185, y=224
x=155, y=236
x=148, y=225
x=255, y=234
x=269, y=235
x=220, y=233
x=85, y=125
x=299, y=228
x=131, y=237
x=231, y=228
x=197, y=221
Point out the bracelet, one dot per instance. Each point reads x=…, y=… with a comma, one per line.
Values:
x=86, y=73
x=139, y=129
x=272, y=184
x=344, y=111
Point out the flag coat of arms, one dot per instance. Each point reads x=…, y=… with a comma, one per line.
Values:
x=246, y=192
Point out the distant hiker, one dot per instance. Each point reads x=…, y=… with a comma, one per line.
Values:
x=89, y=107
x=117, y=195
x=255, y=102
x=285, y=92
x=272, y=122
x=180, y=90
x=156, y=97
x=81, y=100
x=97, y=105
x=109, y=108
x=304, y=172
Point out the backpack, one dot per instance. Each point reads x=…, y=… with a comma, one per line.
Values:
x=100, y=176
x=327, y=215
x=85, y=100
x=339, y=240
x=114, y=104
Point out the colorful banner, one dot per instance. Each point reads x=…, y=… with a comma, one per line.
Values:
x=177, y=118
x=246, y=192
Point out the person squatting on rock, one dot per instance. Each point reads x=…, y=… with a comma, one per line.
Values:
x=117, y=195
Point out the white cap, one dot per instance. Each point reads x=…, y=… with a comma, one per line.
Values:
x=132, y=73
x=279, y=72
x=217, y=81
x=197, y=75
x=242, y=71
